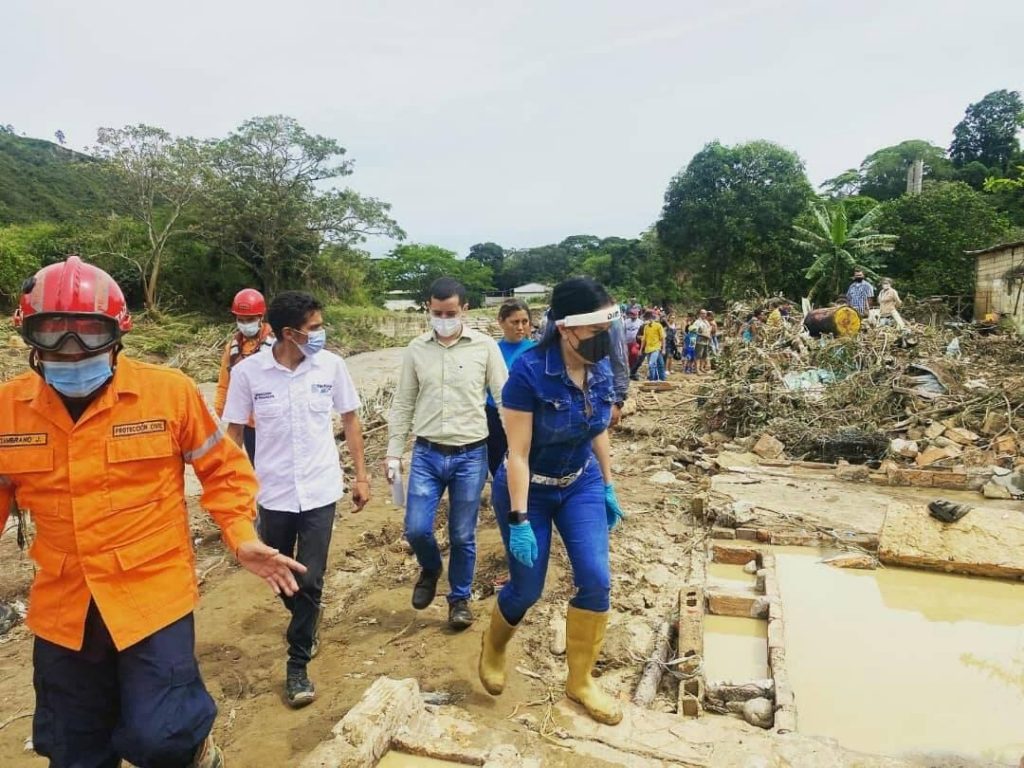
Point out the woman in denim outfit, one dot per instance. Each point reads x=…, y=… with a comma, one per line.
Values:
x=557, y=404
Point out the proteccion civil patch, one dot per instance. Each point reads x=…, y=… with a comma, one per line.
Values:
x=139, y=428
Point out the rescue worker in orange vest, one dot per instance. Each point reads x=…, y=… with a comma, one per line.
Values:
x=92, y=449
x=252, y=336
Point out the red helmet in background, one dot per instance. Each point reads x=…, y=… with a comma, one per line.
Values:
x=74, y=299
x=248, y=303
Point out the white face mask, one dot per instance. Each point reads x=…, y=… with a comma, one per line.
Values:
x=446, y=327
x=249, y=329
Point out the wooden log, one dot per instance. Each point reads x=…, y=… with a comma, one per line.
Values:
x=836, y=321
x=654, y=669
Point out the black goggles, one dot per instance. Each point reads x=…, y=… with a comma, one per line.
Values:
x=49, y=332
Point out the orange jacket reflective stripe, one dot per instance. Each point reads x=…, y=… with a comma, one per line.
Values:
x=107, y=495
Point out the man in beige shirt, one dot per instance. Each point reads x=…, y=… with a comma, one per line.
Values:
x=446, y=374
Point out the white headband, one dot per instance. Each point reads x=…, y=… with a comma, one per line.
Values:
x=590, y=318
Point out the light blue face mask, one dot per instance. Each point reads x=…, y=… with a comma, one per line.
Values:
x=79, y=378
x=315, y=341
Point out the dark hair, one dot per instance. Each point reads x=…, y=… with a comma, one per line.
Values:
x=510, y=306
x=575, y=296
x=446, y=287
x=291, y=309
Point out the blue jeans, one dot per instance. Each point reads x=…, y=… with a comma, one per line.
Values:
x=578, y=513
x=146, y=703
x=464, y=475
x=656, y=366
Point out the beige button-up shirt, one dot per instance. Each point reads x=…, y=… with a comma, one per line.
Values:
x=442, y=390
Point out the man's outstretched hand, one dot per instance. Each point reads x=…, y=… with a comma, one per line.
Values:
x=271, y=566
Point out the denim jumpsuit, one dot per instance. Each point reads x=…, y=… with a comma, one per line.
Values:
x=562, y=444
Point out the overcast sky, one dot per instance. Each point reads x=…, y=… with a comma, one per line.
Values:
x=518, y=122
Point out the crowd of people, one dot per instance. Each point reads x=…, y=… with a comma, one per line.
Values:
x=658, y=339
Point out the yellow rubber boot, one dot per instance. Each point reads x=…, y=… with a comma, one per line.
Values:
x=584, y=636
x=492, y=652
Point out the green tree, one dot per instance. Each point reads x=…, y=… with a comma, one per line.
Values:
x=839, y=247
x=935, y=230
x=884, y=172
x=412, y=268
x=24, y=248
x=988, y=132
x=728, y=216
x=489, y=254
x=845, y=184
x=269, y=206
x=155, y=177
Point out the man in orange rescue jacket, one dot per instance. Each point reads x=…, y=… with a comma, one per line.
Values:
x=92, y=448
x=252, y=335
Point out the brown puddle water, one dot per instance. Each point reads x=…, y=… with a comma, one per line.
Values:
x=401, y=760
x=731, y=576
x=735, y=649
x=896, y=660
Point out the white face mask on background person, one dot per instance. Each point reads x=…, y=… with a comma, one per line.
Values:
x=249, y=330
x=446, y=327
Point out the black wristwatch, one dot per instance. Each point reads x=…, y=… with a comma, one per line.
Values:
x=515, y=517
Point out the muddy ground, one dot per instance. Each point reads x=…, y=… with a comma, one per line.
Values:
x=370, y=628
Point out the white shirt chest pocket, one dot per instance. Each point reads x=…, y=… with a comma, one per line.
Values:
x=320, y=403
x=267, y=411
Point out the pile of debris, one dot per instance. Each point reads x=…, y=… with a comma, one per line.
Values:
x=919, y=398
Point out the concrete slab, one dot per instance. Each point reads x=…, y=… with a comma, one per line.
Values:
x=987, y=542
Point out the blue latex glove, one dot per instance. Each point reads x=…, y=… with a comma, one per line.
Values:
x=522, y=543
x=611, y=506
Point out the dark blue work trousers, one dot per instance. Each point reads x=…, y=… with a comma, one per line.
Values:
x=146, y=704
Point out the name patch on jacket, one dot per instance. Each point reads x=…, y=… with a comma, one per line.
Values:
x=139, y=428
x=321, y=389
x=28, y=438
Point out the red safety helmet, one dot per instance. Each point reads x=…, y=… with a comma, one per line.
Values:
x=72, y=299
x=248, y=303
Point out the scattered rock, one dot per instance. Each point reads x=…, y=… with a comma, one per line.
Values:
x=906, y=449
x=961, y=436
x=852, y=560
x=769, y=447
x=853, y=473
x=994, y=490
x=1005, y=445
x=759, y=713
x=934, y=430
x=741, y=508
x=657, y=575
x=933, y=453
x=663, y=477
x=9, y=618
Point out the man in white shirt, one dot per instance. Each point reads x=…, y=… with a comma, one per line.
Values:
x=290, y=392
x=445, y=377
